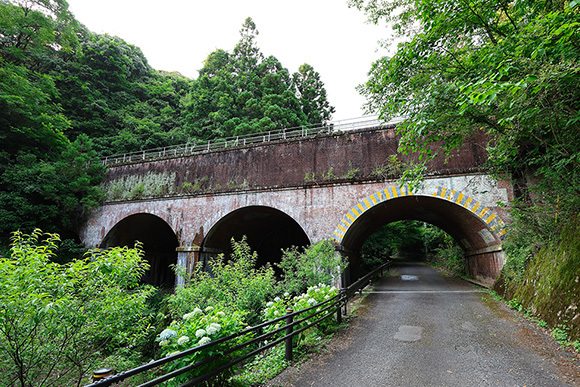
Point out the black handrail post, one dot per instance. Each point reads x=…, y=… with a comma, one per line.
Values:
x=338, y=312
x=344, y=298
x=290, y=338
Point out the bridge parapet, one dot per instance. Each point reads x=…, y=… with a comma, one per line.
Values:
x=357, y=156
x=198, y=147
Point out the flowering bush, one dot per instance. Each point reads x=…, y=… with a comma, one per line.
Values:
x=313, y=296
x=229, y=284
x=197, y=328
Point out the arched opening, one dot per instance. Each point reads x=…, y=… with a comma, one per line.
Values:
x=476, y=228
x=159, y=243
x=267, y=230
x=412, y=241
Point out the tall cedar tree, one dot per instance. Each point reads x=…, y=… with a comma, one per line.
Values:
x=246, y=92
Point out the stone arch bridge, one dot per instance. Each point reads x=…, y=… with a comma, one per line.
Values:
x=293, y=192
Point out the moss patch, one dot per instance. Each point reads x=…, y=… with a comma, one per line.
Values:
x=550, y=289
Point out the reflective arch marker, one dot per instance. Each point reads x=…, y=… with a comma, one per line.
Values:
x=487, y=216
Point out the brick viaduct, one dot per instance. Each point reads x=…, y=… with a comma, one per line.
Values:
x=282, y=193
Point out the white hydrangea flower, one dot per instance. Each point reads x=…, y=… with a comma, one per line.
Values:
x=190, y=315
x=286, y=294
x=204, y=340
x=311, y=302
x=182, y=340
x=221, y=314
x=209, y=309
x=213, y=328
x=269, y=304
x=276, y=299
x=163, y=343
x=167, y=334
x=200, y=333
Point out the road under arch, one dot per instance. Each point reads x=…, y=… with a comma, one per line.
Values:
x=159, y=243
x=477, y=229
x=267, y=231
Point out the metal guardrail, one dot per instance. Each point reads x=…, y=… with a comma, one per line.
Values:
x=254, y=138
x=257, y=344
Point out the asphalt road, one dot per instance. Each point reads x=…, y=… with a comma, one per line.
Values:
x=421, y=328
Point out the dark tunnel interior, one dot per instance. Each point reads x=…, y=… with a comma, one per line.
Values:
x=159, y=244
x=267, y=230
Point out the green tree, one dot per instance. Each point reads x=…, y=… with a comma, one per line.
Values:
x=401, y=239
x=508, y=70
x=45, y=179
x=55, y=194
x=246, y=92
x=109, y=92
x=59, y=322
x=30, y=28
x=312, y=95
x=412, y=239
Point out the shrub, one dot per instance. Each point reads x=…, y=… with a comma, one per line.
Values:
x=318, y=264
x=58, y=322
x=197, y=328
x=234, y=285
x=313, y=296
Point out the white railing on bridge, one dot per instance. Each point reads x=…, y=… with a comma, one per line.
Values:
x=254, y=138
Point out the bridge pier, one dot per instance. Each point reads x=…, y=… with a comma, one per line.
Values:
x=187, y=258
x=485, y=265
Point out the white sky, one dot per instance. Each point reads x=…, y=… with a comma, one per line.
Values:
x=177, y=35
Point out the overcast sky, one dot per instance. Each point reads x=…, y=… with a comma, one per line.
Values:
x=177, y=35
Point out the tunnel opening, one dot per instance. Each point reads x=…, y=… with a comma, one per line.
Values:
x=481, y=245
x=267, y=231
x=159, y=245
x=412, y=241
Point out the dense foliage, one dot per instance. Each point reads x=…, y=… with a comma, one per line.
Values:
x=198, y=328
x=316, y=264
x=68, y=95
x=47, y=180
x=414, y=240
x=231, y=284
x=234, y=294
x=246, y=92
x=59, y=322
x=508, y=69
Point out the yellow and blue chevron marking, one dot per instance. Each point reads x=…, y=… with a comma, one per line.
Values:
x=484, y=213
